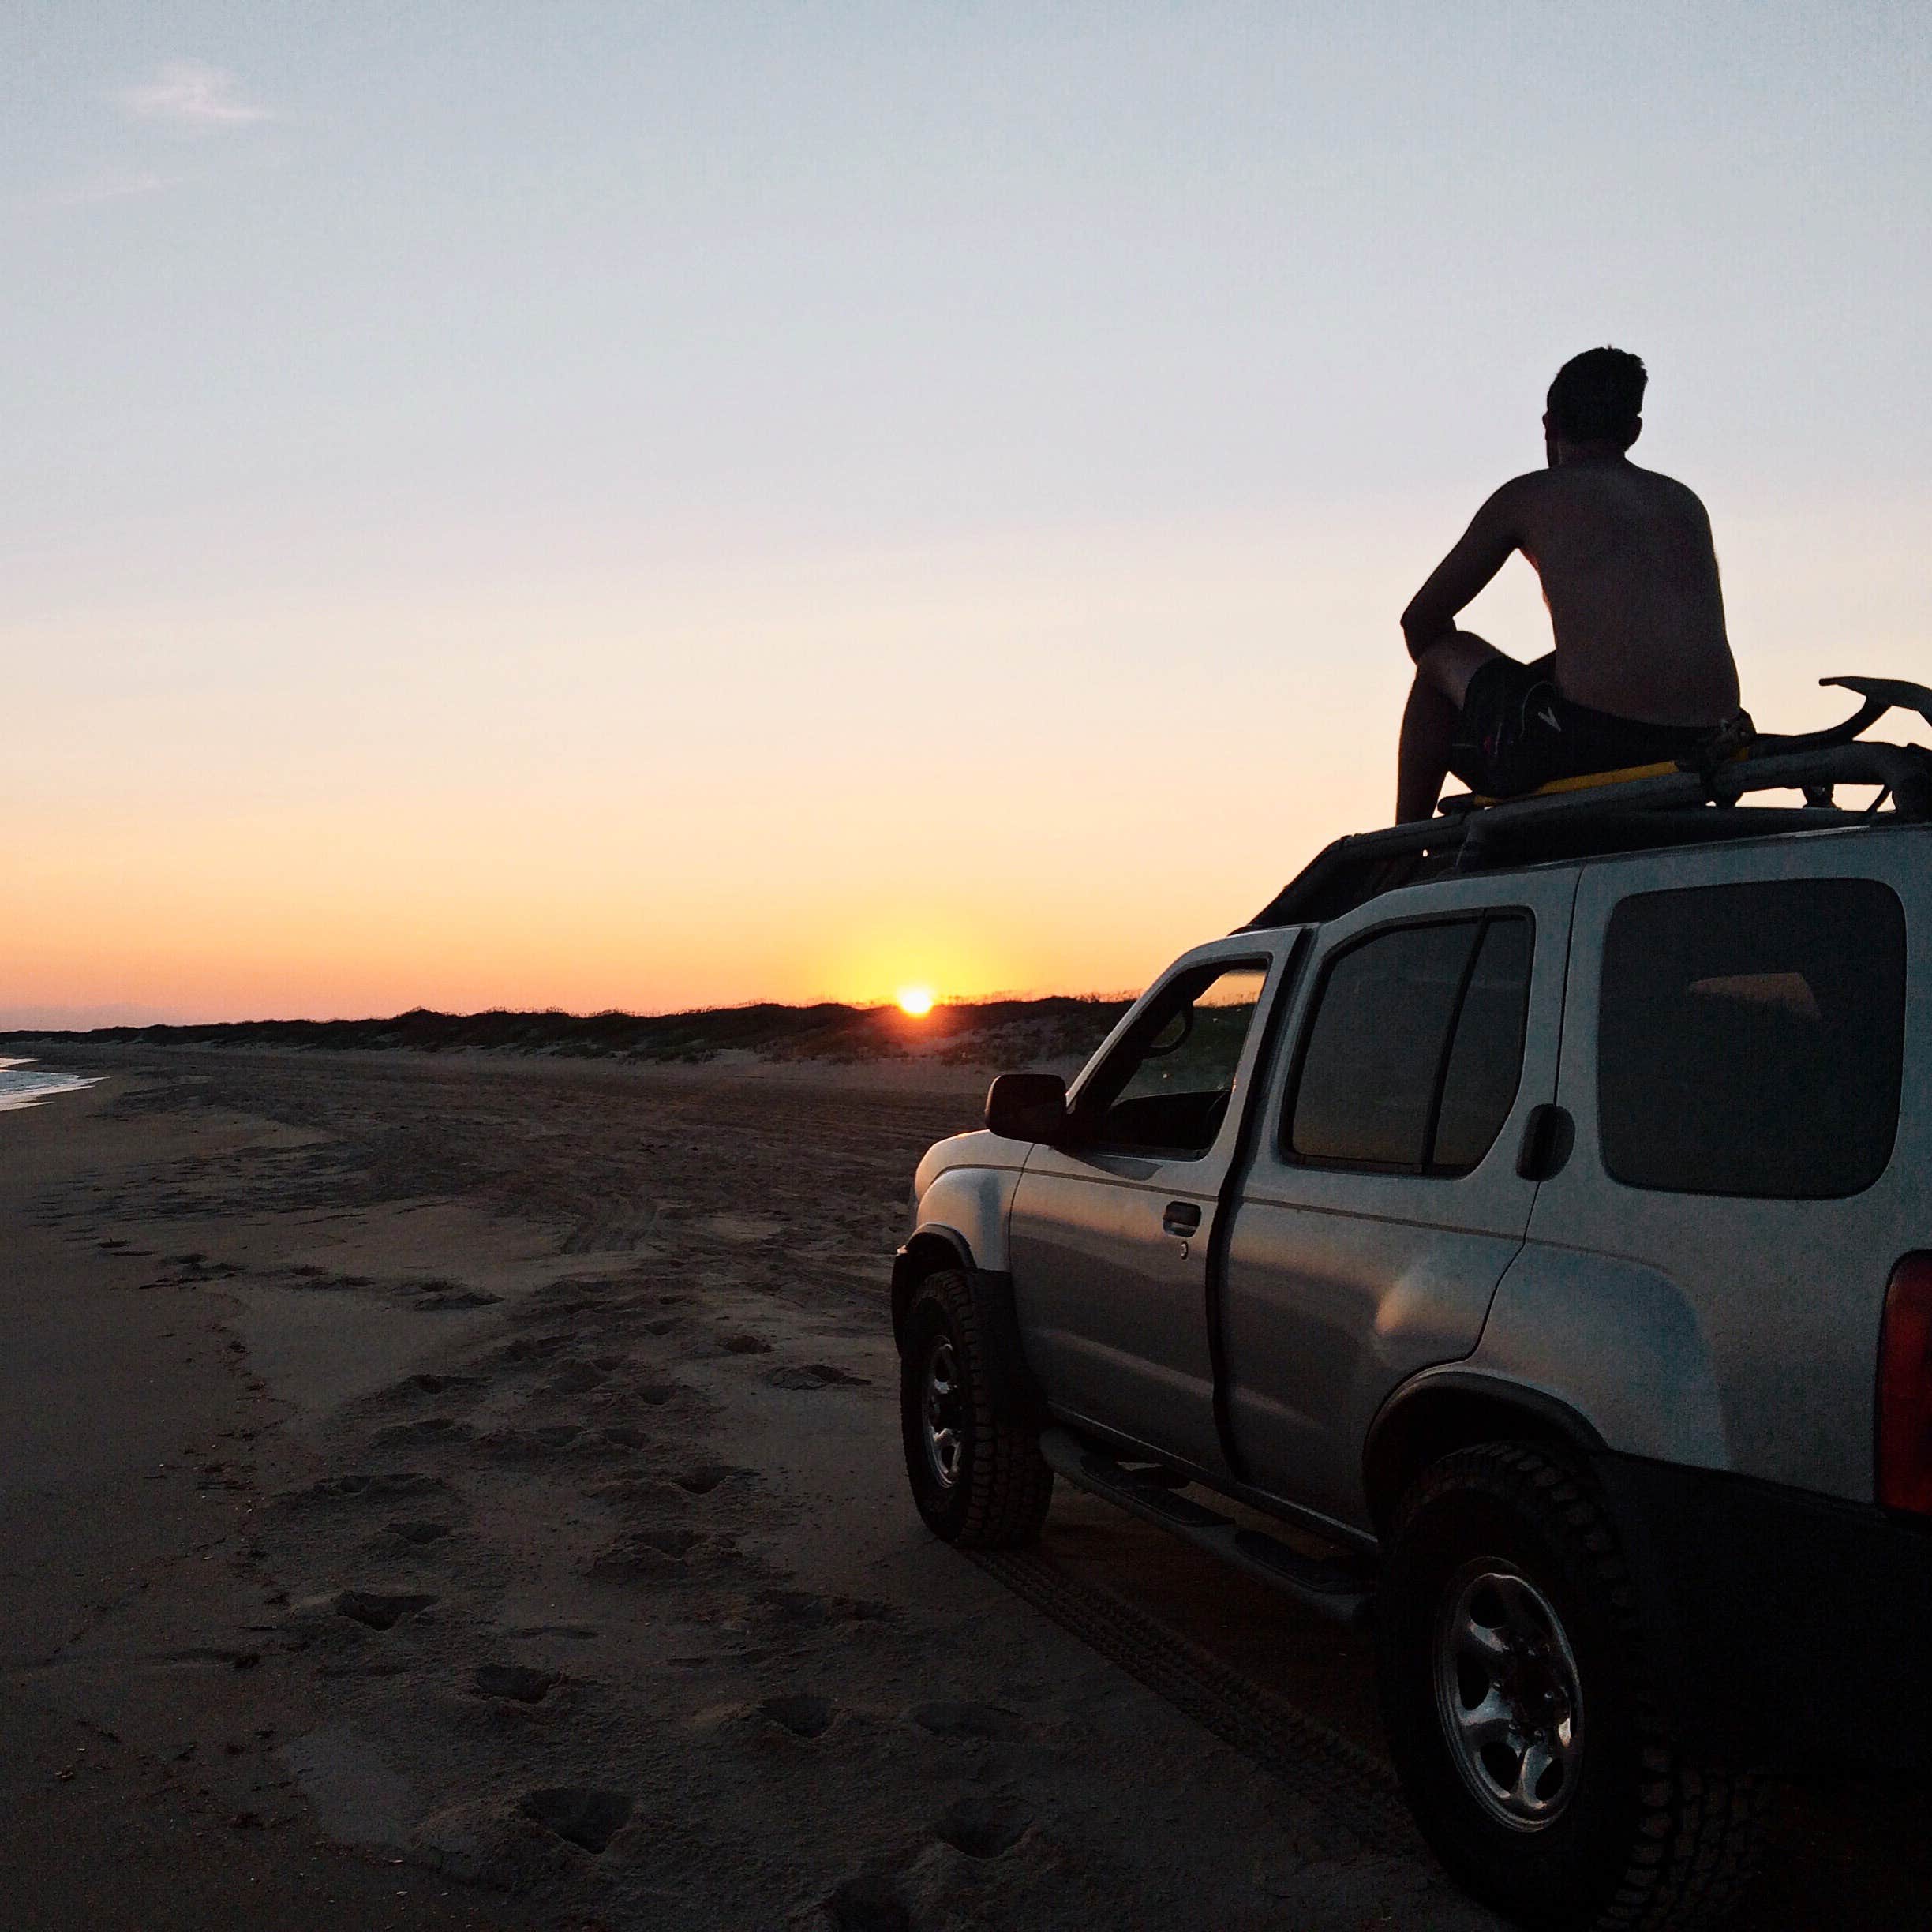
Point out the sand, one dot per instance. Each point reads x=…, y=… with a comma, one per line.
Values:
x=466, y=1492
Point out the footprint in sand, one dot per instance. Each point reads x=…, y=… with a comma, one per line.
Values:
x=981, y=1826
x=706, y=1476
x=666, y=1541
x=816, y=1376
x=430, y=1429
x=745, y=1345
x=437, y=1384
x=378, y=1610
x=550, y=1306
x=322, y=1281
x=586, y=1817
x=657, y=1394
x=637, y=1488
x=419, y=1533
x=983, y=1722
x=458, y=1298
x=627, y=1436
x=527, y=1349
x=803, y=1715
x=642, y=1554
x=516, y=1682
x=576, y=1378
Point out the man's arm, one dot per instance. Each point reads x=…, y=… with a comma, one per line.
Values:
x=1481, y=552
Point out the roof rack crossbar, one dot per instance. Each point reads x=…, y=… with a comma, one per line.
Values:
x=1359, y=867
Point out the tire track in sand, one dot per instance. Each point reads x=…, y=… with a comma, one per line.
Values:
x=1336, y=1776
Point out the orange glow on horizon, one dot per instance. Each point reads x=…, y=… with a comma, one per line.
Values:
x=251, y=851
x=916, y=1001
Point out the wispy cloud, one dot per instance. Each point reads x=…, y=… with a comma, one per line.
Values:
x=191, y=95
x=116, y=185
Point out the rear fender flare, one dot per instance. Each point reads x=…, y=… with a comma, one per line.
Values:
x=1445, y=1408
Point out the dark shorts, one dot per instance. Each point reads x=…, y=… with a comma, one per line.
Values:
x=1518, y=731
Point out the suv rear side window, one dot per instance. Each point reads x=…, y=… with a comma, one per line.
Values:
x=1749, y=1038
x=1413, y=1055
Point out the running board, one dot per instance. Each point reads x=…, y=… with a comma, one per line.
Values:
x=1336, y=1590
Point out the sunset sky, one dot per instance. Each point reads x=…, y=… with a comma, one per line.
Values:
x=648, y=505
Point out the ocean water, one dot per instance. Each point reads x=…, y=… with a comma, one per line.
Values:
x=25, y=1083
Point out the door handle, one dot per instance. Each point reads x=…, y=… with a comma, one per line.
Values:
x=1181, y=1218
x=1549, y=1135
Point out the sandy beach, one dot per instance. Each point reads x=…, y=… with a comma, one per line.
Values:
x=465, y=1492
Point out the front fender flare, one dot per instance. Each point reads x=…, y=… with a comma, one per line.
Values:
x=1009, y=1379
x=932, y=1247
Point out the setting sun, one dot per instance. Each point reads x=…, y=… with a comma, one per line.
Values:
x=915, y=1000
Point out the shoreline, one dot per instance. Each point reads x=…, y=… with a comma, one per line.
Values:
x=910, y=1074
x=33, y=1089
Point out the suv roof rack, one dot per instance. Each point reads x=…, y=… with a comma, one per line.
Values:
x=1696, y=804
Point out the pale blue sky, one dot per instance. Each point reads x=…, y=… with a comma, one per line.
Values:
x=764, y=435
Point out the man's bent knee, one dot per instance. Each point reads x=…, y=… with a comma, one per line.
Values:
x=1452, y=661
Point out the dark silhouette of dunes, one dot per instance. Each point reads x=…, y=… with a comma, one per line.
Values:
x=999, y=1032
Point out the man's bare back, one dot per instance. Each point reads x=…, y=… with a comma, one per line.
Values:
x=1642, y=666
x=1631, y=578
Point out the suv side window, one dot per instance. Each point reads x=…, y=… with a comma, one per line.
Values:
x=1749, y=1038
x=1165, y=1089
x=1413, y=1056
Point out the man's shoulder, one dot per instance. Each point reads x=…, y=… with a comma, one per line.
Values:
x=1669, y=488
x=1512, y=501
x=1582, y=489
x=1531, y=484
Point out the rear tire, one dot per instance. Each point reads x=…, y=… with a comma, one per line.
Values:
x=1520, y=1715
x=978, y=1476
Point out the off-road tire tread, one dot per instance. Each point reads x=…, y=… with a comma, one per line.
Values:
x=1009, y=1483
x=1700, y=1829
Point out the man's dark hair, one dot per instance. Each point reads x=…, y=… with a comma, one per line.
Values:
x=1597, y=396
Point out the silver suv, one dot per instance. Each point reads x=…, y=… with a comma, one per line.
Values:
x=1525, y=1205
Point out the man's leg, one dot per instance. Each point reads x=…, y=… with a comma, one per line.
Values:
x=1442, y=681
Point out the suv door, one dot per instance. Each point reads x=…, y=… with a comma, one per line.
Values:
x=1383, y=1203
x=1110, y=1231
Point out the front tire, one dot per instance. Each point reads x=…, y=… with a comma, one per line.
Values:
x=978, y=1476
x=1520, y=1714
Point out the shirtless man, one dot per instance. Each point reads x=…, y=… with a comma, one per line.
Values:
x=1642, y=670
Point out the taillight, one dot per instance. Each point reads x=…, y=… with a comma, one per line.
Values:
x=1904, y=1436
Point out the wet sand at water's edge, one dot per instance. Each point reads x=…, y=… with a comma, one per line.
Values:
x=468, y=1494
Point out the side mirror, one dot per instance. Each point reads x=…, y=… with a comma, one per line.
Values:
x=1027, y=1107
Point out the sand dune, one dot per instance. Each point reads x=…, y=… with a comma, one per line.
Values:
x=1000, y=1032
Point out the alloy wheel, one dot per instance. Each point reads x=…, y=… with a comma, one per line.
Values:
x=1509, y=1697
x=942, y=1412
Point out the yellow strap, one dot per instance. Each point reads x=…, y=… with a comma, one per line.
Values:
x=1589, y=780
